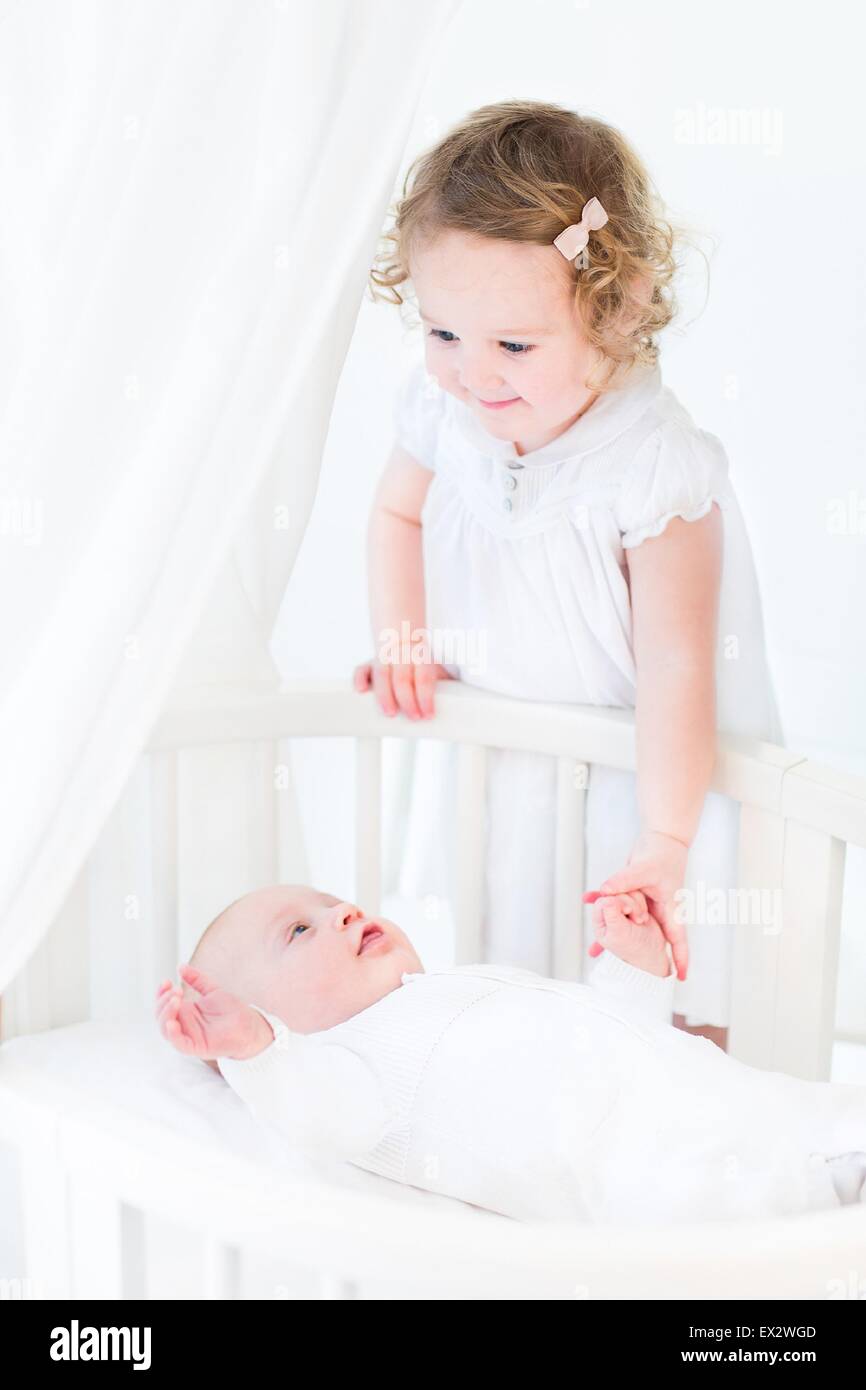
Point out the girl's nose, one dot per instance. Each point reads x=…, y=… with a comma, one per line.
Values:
x=482, y=385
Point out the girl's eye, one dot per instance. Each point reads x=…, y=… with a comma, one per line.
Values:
x=298, y=927
x=444, y=335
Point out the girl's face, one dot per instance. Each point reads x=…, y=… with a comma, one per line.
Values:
x=501, y=326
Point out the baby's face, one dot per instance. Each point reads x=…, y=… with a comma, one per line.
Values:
x=311, y=959
x=500, y=324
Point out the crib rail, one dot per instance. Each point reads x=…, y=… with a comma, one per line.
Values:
x=89, y=1182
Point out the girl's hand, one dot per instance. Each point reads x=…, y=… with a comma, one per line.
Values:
x=405, y=688
x=214, y=1025
x=657, y=866
x=639, y=943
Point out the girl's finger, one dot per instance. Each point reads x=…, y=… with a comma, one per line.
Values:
x=362, y=678
x=384, y=693
x=425, y=684
x=675, y=933
x=404, y=691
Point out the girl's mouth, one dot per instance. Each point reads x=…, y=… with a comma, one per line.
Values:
x=498, y=405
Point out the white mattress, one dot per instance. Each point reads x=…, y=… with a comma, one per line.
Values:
x=128, y=1065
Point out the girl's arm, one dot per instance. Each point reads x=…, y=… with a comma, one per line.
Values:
x=675, y=581
x=395, y=568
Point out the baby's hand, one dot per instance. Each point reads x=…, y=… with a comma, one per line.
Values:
x=406, y=687
x=214, y=1025
x=626, y=928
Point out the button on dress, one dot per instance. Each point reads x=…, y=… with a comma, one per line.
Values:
x=526, y=576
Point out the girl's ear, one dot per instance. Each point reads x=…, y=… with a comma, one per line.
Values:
x=641, y=290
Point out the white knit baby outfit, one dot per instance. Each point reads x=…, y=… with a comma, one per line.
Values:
x=549, y=1100
x=526, y=556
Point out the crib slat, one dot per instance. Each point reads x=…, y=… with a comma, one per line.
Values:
x=568, y=953
x=814, y=871
x=368, y=824
x=45, y=1217
x=226, y=835
x=222, y=1267
x=755, y=965
x=471, y=840
x=161, y=952
x=96, y=1220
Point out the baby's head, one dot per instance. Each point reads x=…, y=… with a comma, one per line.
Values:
x=311, y=959
x=507, y=317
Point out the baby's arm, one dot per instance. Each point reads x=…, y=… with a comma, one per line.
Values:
x=635, y=966
x=321, y=1096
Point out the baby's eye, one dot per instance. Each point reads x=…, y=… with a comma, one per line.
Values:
x=298, y=927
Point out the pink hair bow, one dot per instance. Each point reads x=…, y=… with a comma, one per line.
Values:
x=572, y=242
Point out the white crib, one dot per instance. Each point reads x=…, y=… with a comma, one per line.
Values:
x=93, y=1170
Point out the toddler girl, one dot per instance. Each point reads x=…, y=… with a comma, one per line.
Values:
x=554, y=519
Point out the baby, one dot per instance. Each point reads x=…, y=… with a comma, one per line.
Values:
x=537, y=1098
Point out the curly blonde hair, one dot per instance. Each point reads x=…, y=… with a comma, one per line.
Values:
x=522, y=171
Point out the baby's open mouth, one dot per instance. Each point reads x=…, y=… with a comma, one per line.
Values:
x=369, y=935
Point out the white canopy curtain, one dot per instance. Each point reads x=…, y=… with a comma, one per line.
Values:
x=192, y=192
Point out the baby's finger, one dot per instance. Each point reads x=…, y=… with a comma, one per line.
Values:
x=165, y=1003
x=201, y=983
x=167, y=1015
x=362, y=677
x=633, y=905
x=613, y=915
x=169, y=1006
x=177, y=1037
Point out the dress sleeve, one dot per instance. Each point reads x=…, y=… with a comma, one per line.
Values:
x=321, y=1096
x=418, y=410
x=635, y=991
x=679, y=470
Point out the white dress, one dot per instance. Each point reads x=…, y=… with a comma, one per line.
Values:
x=526, y=575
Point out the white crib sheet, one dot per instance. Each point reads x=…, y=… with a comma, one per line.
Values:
x=127, y=1064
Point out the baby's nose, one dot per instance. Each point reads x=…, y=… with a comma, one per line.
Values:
x=345, y=914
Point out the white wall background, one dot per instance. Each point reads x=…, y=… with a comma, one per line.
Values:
x=773, y=362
